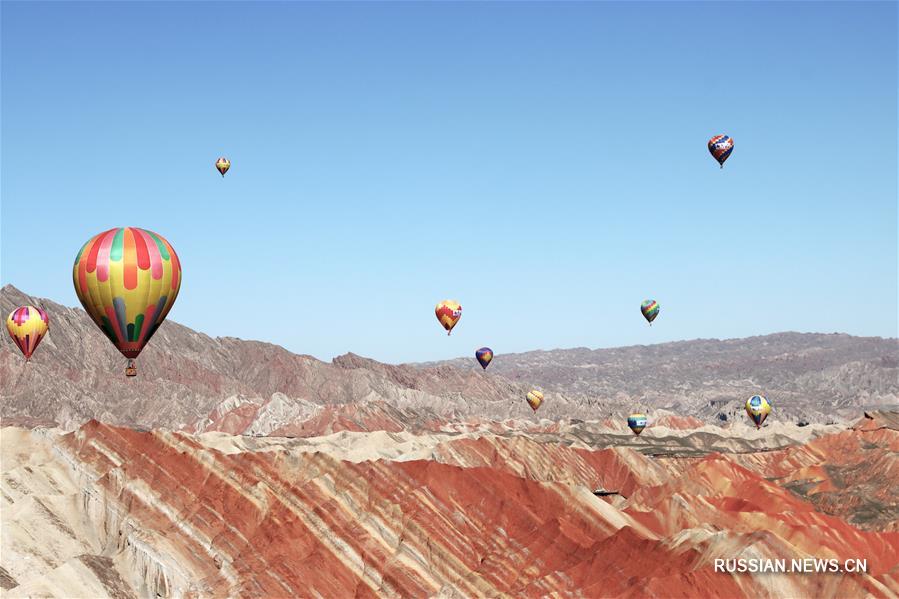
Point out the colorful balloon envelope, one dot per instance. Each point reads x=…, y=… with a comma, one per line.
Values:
x=222, y=165
x=720, y=147
x=127, y=280
x=448, y=314
x=484, y=356
x=27, y=325
x=636, y=422
x=649, y=309
x=758, y=408
x=534, y=398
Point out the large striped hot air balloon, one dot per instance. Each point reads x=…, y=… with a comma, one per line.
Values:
x=127, y=280
x=448, y=312
x=27, y=325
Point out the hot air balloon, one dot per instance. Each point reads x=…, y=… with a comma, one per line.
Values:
x=484, y=356
x=535, y=398
x=650, y=309
x=127, y=280
x=636, y=422
x=448, y=313
x=223, y=164
x=758, y=408
x=27, y=325
x=721, y=147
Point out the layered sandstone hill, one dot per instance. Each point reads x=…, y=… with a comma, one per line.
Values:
x=107, y=511
x=190, y=381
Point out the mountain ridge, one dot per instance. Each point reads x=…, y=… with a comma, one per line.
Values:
x=76, y=375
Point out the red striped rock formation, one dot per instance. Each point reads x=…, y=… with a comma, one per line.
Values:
x=113, y=511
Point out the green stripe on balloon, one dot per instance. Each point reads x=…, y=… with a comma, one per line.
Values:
x=163, y=251
x=138, y=325
x=118, y=244
x=81, y=251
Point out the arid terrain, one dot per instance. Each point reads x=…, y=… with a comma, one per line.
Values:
x=106, y=511
x=236, y=468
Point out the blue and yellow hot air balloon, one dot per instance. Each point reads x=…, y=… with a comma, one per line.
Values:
x=27, y=325
x=127, y=280
x=758, y=408
x=484, y=357
x=636, y=422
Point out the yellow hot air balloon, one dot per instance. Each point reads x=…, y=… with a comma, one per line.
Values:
x=27, y=325
x=448, y=313
x=758, y=408
x=222, y=165
x=535, y=398
x=127, y=280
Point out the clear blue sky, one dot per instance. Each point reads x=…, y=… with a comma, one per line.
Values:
x=544, y=164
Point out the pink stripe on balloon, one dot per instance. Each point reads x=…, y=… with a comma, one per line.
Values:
x=103, y=258
x=155, y=256
x=20, y=316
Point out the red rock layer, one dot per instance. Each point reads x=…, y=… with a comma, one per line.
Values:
x=487, y=517
x=845, y=474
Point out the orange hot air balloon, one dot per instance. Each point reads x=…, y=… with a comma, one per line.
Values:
x=448, y=314
x=27, y=325
x=534, y=398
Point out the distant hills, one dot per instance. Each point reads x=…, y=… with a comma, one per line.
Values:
x=190, y=380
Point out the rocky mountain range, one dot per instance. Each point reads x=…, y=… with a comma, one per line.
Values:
x=237, y=468
x=191, y=381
